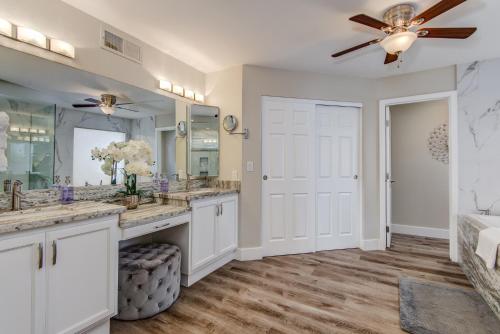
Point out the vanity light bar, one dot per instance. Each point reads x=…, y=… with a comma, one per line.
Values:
x=181, y=91
x=36, y=38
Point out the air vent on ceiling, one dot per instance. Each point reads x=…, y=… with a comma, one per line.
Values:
x=111, y=41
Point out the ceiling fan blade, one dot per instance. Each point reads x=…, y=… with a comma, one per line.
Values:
x=354, y=48
x=85, y=105
x=118, y=107
x=93, y=100
x=390, y=58
x=436, y=10
x=457, y=33
x=369, y=21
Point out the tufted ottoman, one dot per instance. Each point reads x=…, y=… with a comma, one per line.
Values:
x=149, y=280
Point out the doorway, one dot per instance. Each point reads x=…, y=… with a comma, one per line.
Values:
x=166, y=151
x=418, y=141
x=311, y=188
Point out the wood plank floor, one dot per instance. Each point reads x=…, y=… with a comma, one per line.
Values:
x=346, y=291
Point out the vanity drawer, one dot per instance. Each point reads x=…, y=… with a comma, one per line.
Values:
x=137, y=231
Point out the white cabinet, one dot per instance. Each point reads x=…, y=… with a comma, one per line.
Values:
x=61, y=280
x=80, y=276
x=226, y=233
x=214, y=235
x=204, y=232
x=22, y=285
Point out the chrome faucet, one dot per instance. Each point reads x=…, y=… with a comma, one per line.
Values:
x=16, y=195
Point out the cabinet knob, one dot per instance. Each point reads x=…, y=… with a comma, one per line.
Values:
x=264, y=177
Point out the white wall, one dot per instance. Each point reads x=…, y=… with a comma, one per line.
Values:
x=420, y=194
x=259, y=81
x=225, y=89
x=56, y=19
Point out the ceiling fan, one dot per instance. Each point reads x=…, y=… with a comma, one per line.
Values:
x=401, y=27
x=107, y=104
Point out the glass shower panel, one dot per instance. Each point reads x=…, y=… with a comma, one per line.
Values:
x=30, y=143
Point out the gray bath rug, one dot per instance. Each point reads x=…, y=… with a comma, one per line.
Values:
x=433, y=308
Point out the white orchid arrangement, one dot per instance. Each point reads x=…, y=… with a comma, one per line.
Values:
x=138, y=158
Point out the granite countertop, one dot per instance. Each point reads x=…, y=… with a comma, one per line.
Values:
x=14, y=221
x=196, y=194
x=148, y=213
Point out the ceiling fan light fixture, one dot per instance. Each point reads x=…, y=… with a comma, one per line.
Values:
x=399, y=42
x=107, y=110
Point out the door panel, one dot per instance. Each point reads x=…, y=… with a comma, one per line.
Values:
x=289, y=191
x=338, y=187
x=81, y=275
x=227, y=238
x=22, y=285
x=203, y=233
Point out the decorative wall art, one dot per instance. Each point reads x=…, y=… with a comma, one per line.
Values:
x=437, y=143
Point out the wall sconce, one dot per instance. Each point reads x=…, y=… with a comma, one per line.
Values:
x=32, y=37
x=166, y=85
x=6, y=28
x=230, y=123
x=189, y=94
x=179, y=90
x=62, y=48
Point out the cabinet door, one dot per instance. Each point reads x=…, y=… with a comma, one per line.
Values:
x=22, y=285
x=203, y=233
x=227, y=225
x=81, y=268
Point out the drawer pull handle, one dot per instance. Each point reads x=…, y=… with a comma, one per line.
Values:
x=162, y=226
x=54, y=253
x=221, y=206
x=40, y=255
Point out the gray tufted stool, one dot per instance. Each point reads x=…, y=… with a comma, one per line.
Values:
x=149, y=280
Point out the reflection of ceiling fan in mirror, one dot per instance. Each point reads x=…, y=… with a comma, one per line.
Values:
x=399, y=25
x=107, y=104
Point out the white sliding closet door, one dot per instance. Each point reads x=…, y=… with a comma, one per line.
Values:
x=289, y=177
x=337, y=181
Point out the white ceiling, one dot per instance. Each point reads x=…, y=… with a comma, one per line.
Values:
x=211, y=35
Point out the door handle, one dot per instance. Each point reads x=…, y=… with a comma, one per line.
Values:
x=40, y=255
x=217, y=210
x=221, y=210
x=54, y=253
x=392, y=181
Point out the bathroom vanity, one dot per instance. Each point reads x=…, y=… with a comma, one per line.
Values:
x=67, y=255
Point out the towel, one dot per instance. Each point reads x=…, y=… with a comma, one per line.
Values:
x=487, y=246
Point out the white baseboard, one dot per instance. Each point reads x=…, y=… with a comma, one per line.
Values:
x=249, y=254
x=430, y=232
x=370, y=244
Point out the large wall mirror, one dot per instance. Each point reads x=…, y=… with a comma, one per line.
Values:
x=203, y=144
x=53, y=126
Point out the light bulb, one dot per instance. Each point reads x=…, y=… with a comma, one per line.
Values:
x=398, y=42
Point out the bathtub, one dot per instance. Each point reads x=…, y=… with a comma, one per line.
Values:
x=486, y=281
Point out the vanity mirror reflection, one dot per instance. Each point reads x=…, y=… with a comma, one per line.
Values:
x=203, y=143
x=53, y=128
